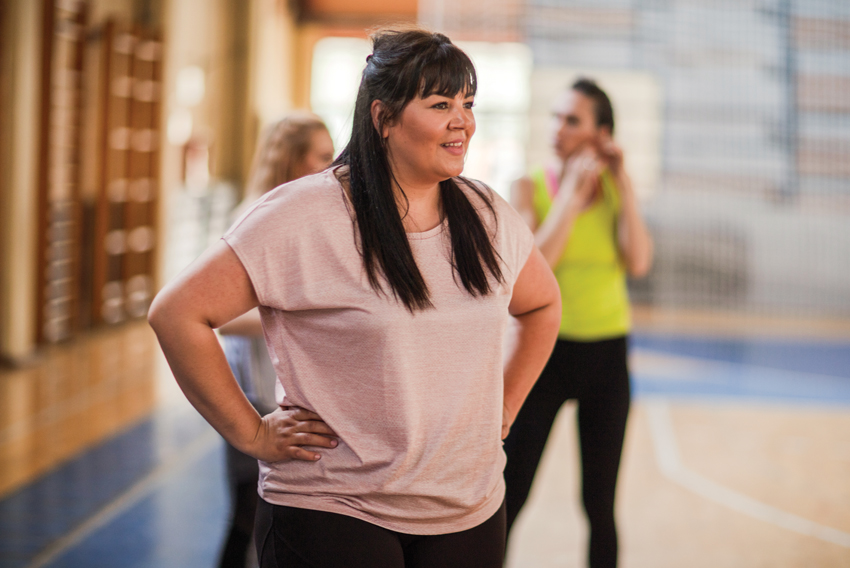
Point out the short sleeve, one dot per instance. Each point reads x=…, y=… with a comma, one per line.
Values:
x=294, y=241
x=258, y=243
x=516, y=239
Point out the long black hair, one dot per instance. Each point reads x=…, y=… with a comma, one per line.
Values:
x=406, y=64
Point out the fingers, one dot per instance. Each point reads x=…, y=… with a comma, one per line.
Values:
x=295, y=448
x=292, y=451
x=576, y=161
x=299, y=413
x=589, y=175
x=307, y=439
x=298, y=453
x=590, y=166
x=314, y=427
x=308, y=421
x=294, y=428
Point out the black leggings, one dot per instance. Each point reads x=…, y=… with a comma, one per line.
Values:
x=288, y=537
x=596, y=374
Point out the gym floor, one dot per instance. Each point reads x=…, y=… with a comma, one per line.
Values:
x=737, y=454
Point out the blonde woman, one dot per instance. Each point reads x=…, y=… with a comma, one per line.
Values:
x=296, y=146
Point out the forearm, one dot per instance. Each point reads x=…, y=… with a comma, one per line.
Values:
x=550, y=235
x=553, y=233
x=200, y=368
x=530, y=341
x=248, y=324
x=633, y=237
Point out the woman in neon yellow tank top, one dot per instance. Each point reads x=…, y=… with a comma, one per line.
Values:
x=586, y=221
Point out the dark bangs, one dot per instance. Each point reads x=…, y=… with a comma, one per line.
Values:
x=448, y=72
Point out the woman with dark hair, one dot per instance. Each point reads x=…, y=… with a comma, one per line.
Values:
x=297, y=145
x=586, y=221
x=387, y=286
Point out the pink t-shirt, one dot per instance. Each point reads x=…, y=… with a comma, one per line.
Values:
x=416, y=399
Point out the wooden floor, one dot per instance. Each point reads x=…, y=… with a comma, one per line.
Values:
x=754, y=486
x=737, y=454
x=74, y=396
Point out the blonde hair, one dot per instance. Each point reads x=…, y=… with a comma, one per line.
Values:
x=283, y=146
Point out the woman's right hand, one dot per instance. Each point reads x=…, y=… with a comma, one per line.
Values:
x=284, y=434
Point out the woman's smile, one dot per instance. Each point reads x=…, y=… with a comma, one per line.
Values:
x=455, y=148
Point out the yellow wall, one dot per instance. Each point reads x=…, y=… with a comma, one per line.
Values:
x=21, y=59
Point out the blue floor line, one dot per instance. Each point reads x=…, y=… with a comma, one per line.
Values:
x=179, y=525
x=750, y=369
x=39, y=513
x=647, y=387
x=809, y=356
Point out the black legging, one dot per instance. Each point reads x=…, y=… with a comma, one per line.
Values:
x=302, y=538
x=596, y=374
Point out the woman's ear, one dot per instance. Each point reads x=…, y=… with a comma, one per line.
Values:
x=378, y=108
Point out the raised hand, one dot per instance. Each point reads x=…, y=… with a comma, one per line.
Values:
x=581, y=179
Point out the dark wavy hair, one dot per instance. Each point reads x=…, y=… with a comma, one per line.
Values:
x=406, y=64
x=602, y=110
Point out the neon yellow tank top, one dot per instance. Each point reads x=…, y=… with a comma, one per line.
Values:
x=590, y=273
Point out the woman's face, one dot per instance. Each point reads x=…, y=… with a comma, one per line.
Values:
x=427, y=143
x=573, y=123
x=320, y=154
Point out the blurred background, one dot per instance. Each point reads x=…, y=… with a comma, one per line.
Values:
x=127, y=128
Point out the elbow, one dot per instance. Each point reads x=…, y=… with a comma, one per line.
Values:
x=638, y=265
x=554, y=313
x=639, y=269
x=555, y=321
x=157, y=311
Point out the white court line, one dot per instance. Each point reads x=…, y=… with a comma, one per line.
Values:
x=136, y=493
x=670, y=464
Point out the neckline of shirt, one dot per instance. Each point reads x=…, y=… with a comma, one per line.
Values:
x=429, y=233
x=411, y=236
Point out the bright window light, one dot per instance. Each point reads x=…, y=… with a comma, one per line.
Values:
x=338, y=63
